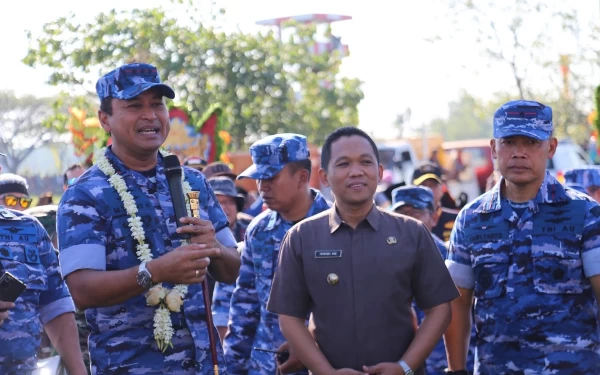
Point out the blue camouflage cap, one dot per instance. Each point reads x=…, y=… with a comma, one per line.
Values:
x=523, y=117
x=272, y=153
x=420, y=197
x=129, y=81
x=586, y=177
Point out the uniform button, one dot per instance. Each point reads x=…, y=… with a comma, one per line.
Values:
x=332, y=279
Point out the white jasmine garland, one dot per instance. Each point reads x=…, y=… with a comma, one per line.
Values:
x=163, y=328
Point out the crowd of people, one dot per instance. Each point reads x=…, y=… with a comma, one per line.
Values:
x=288, y=281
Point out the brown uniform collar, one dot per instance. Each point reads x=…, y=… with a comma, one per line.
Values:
x=335, y=221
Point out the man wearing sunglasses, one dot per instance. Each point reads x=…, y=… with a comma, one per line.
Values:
x=27, y=255
x=13, y=192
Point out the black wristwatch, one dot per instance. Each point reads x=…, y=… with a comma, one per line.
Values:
x=144, y=277
x=457, y=372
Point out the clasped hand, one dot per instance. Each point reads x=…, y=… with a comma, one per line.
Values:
x=200, y=231
x=188, y=264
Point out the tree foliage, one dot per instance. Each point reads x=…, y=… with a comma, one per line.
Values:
x=21, y=127
x=468, y=117
x=522, y=36
x=265, y=85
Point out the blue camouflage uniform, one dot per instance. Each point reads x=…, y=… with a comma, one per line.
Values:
x=221, y=302
x=27, y=252
x=222, y=295
x=224, y=185
x=250, y=324
x=421, y=197
x=528, y=265
x=94, y=234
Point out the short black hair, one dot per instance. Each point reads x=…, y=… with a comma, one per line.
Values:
x=106, y=105
x=346, y=131
x=295, y=166
x=72, y=167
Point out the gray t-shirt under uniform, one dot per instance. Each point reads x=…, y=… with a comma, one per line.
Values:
x=365, y=317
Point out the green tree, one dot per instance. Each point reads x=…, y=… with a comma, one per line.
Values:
x=264, y=85
x=524, y=36
x=21, y=127
x=468, y=118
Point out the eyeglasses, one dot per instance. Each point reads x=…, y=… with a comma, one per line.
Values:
x=71, y=181
x=12, y=201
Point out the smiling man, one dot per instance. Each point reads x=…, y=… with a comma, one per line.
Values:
x=118, y=238
x=527, y=253
x=357, y=268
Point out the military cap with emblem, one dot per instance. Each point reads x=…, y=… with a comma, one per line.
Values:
x=523, y=118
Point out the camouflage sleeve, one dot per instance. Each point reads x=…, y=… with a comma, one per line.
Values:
x=244, y=315
x=82, y=232
x=55, y=300
x=459, y=257
x=590, y=251
x=220, y=304
x=213, y=208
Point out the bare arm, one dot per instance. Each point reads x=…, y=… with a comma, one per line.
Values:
x=62, y=332
x=428, y=335
x=458, y=334
x=226, y=267
x=595, y=281
x=303, y=344
x=178, y=266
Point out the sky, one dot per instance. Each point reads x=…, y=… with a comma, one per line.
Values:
x=389, y=52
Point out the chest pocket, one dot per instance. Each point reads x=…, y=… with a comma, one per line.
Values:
x=23, y=261
x=556, y=249
x=491, y=274
x=490, y=256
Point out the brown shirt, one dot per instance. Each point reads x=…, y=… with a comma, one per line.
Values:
x=365, y=318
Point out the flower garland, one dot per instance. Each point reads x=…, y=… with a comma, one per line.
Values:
x=166, y=300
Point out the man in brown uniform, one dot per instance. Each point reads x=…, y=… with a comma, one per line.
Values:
x=357, y=269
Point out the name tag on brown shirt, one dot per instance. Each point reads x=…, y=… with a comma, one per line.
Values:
x=328, y=254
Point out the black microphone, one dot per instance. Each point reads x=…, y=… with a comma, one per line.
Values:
x=173, y=172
